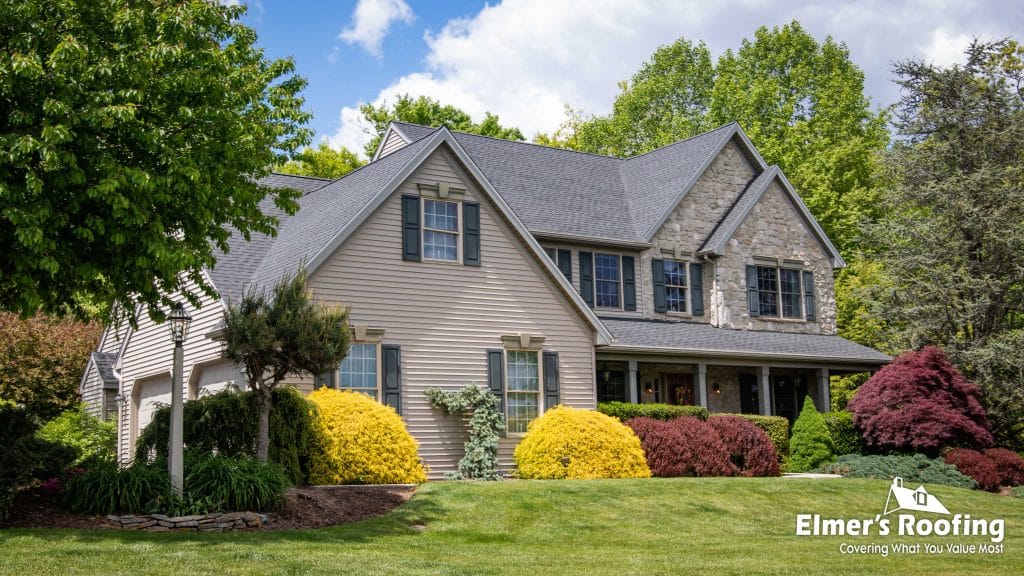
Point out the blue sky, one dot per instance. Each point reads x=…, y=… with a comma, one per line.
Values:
x=526, y=59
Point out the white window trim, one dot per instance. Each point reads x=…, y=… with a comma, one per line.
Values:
x=685, y=287
x=619, y=282
x=779, y=267
x=540, y=386
x=377, y=352
x=459, y=223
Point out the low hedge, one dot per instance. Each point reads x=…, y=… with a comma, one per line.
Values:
x=777, y=429
x=625, y=411
x=917, y=468
x=683, y=446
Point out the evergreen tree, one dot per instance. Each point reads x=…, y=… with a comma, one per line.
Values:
x=811, y=444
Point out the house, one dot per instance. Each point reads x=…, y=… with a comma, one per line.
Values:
x=692, y=274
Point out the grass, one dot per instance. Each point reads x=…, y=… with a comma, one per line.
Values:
x=658, y=526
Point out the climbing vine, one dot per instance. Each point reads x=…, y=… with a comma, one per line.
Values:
x=485, y=427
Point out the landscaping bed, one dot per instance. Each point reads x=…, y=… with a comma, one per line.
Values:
x=309, y=507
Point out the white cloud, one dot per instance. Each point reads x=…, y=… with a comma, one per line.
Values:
x=371, y=21
x=525, y=59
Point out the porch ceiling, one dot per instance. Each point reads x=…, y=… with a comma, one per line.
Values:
x=657, y=336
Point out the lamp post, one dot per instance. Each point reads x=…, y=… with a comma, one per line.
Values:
x=179, y=322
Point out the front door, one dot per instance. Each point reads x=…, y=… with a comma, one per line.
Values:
x=680, y=389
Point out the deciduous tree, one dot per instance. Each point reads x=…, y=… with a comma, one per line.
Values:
x=322, y=162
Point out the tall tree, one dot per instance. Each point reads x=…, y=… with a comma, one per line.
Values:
x=280, y=334
x=953, y=235
x=429, y=112
x=801, y=102
x=322, y=162
x=131, y=132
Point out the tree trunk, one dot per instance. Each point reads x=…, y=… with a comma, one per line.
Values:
x=263, y=431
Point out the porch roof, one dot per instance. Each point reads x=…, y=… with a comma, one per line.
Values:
x=690, y=338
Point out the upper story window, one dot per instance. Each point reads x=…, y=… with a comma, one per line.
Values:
x=359, y=369
x=774, y=291
x=607, y=280
x=675, y=285
x=440, y=230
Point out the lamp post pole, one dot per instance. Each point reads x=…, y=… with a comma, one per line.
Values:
x=179, y=324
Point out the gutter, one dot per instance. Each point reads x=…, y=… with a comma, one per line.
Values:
x=738, y=355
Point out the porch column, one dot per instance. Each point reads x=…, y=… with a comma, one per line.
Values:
x=634, y=396
x=766, y=393
x=702, y=384
x=824, y=394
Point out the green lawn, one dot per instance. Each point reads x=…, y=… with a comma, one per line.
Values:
x=659, y=526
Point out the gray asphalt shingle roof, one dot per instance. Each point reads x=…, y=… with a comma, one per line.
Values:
x=687, y=337
x=104, y=363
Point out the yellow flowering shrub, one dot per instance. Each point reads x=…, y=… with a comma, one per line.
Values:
x=361, y=441
x=570, y=443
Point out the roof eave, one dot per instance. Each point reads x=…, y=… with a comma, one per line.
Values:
x=591, y=240
x=741, y=355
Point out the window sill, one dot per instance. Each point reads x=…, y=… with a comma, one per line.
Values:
x=785, y=320
x=438, y=261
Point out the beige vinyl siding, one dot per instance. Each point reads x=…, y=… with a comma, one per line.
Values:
x=92, y=392
x=446, y=316
x=149, y=354
x=391, y=144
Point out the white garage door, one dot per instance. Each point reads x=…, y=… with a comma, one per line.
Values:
x=152, y=393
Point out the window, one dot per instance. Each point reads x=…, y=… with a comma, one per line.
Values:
x=441, y=230
x=607, y=280
x=611, y=382
x=778, y=289
x=523, y=394
x=358, y=370
x=675, y=285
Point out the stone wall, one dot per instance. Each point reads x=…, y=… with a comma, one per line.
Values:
x=226, y=522
x=728, y=397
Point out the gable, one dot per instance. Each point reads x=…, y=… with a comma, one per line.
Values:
x=392, y=141
x=774, y=225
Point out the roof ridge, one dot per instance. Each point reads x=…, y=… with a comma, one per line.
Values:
x=544, y=146
x=683, y=141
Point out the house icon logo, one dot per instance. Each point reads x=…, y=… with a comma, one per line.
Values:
x=918, y=500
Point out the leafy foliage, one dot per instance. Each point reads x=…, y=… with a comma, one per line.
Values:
x=322, y=162
x=486, y=424
x=362, y=442
x=1009, y=466
x=236, y=483
x=42, y=359
x=279, y=334
x=749, y=447
x=626, y=410
x=133, y=132
x=88, y=436
x=429, y=112
x=776, y=427
x=843, y=388
x=23, y=456
x=916, y=468
x=801, y=102
x=845, y=437
x=811, y=444
x=683, y=446
x=579, y=444
x=226, y=424
x=104, y=488
x=974, y=464
x=920, y=402
x=951, y=238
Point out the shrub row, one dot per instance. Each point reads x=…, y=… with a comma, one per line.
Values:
x=845, y=437
x=917, y=468
x=776, y=427
x=625, y=411
x=991, y=469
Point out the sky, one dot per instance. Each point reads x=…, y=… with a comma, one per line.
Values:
x=525, y=60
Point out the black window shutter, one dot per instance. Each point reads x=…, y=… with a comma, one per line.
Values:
x=471, y=234
x=658, y=274
x=565, y=263
x=392, y=376
x=496, y=376
x=697, y=289
x=551, y=392
x=753, y=304
x=809, y=303
x=411, y=228
x=628, y=283
x=587, y=278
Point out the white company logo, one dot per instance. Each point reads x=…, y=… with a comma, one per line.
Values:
x=897, y=519
x=919, y=500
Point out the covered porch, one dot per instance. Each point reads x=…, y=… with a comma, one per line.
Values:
x=724, y=370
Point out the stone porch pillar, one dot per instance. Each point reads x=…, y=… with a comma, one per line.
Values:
x=702, y=384
x=824, y=393
x=634, y=393
x=765, y=392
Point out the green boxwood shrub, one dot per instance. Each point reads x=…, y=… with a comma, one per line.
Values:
x=811, y=444
x=776, y=427
x=845, y=437
x=916, y=468
x=225, y=424
x=625, y=410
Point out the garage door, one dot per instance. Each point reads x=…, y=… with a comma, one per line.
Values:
x=151, y=394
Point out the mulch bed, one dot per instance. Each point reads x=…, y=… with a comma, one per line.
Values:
x=309, y=507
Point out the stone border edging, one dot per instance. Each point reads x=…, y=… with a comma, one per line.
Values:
x=220, y=522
